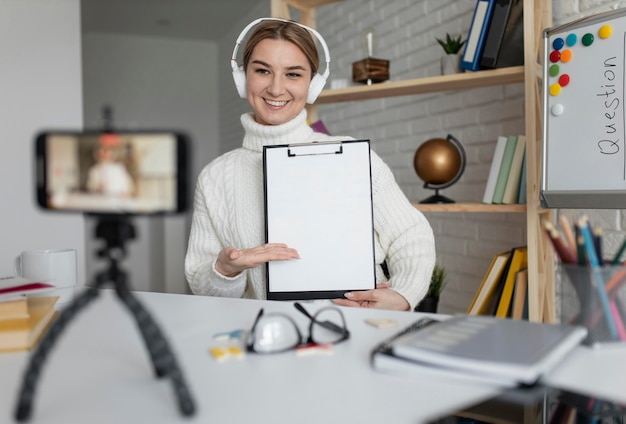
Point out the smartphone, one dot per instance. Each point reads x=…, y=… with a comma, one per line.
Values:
x=112, y=172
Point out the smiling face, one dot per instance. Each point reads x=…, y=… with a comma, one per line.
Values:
x=278, y=76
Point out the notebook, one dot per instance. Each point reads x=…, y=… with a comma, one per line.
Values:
x=490, y=348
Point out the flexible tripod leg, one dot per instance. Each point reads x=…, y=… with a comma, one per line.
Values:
x=45, y=345
x=162, y=356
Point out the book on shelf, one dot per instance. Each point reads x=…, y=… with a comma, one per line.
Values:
x=496, y=161
x=520, y=295
x=475, y=41
x=519, y=260
x=484, y=294
x=24, y=333
x=514, y=352
x=504, y=45
x=505, y=168
x=512, y=188
x=522, y=184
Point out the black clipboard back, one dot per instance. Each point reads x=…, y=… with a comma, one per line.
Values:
x=318, y=200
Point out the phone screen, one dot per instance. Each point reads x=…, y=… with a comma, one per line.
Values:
x=141, y=172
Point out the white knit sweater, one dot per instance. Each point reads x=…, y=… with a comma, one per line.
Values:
x=228, y=211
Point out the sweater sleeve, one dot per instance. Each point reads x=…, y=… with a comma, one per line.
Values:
x=203, y=248
x=404, y=234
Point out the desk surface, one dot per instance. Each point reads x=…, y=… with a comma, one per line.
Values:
x=99, y=372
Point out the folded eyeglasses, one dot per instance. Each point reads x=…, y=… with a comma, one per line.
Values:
x=277, y=332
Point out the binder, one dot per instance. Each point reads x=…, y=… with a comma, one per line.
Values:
x=318, y=200
x=477, y=35
x=504, y=45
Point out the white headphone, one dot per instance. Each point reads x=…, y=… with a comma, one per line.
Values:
x=318, y=81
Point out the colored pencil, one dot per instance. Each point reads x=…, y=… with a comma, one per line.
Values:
x=598, y=282
x=563, y=252
x=567, y=232
x=619, y=253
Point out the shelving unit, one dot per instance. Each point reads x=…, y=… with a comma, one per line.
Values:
x=537, y=16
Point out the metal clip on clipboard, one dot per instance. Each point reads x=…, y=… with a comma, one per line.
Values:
x=313, y=148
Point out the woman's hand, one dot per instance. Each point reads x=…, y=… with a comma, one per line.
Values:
x=232, y=261
x=382, y=297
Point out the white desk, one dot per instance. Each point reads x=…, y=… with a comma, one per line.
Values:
x=100, y=372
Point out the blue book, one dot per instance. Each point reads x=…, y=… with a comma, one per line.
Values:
x=477, y=35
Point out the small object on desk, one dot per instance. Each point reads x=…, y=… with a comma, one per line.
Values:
x=382, y=322
x=310, y=349
x=229, y=335
x=222, y=353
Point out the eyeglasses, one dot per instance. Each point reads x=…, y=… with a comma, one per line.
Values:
x=278, y=332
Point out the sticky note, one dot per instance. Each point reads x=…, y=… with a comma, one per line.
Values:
x=382, y=322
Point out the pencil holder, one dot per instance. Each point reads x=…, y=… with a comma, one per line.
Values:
x=596, y=300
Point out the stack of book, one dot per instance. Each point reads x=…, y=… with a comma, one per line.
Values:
x=496, y=35
x=506, y=183
x=504, y=290
x=24, y=315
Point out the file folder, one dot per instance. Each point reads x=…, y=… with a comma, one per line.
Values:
x=318, y=200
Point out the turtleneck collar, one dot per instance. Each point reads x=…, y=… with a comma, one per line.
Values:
x=256, y=135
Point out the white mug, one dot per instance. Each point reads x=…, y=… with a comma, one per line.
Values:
x=56, y=267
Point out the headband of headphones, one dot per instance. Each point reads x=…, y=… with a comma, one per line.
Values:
x=318, y=81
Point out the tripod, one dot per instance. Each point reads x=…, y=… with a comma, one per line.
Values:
x=115, y=230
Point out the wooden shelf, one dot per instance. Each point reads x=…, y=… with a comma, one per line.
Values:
x=469, y=207
x=461, y=81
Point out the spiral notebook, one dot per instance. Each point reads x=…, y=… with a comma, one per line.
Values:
x=484, y=348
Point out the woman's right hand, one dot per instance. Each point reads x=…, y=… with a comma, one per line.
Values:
x=232, y=261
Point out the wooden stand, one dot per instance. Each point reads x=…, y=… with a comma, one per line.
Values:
x=370, y=70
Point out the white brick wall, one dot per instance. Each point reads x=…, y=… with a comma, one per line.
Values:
x=406, y=32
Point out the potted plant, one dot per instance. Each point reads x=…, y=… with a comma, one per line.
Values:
x=450, y=61
x=437, y=283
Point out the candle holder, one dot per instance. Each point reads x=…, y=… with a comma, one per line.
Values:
x=370, y=70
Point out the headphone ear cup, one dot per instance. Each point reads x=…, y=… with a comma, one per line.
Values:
x=239, y=76
x=315, y=88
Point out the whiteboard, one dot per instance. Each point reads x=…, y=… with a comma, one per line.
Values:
x=584, y=155
x=318, y=200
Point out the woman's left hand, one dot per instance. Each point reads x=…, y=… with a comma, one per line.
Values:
x=382, y=297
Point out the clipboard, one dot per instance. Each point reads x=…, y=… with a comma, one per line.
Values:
x=318, y=200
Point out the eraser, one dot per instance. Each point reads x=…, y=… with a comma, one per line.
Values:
x=382, y=322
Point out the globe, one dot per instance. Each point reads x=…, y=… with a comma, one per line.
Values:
x=439, y=163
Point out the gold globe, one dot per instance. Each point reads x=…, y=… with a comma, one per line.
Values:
x=439, y=163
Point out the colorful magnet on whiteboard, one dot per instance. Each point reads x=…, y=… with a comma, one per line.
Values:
x=554, y=70
x=555, y=56
x=566, y=56
x=587, y=39
x=605, y=31
x=571, y=40
x=557, y=109
x=564, y=80
x=557, y=44
x=555, y=89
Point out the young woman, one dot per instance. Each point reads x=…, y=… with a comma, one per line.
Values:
x=226, y=253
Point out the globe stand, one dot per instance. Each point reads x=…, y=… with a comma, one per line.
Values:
x=436, y=198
